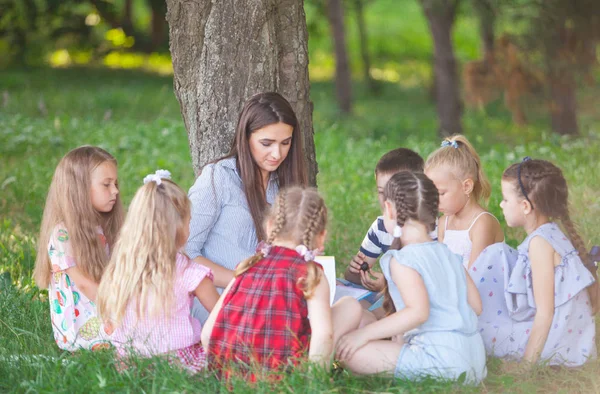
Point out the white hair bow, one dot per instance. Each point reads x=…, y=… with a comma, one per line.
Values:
x=157, y=177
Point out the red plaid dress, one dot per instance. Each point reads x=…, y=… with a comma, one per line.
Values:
x=264, y=318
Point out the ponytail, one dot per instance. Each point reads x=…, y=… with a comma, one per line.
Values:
x=458, y=153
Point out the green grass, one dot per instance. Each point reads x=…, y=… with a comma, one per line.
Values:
x=136, y=117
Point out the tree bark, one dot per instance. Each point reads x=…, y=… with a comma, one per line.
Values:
x=157, y=24
x=487, y=21
x=440, y=17
x=343, y=84
x=364, y=45
x=224, y=52
x=560, y=65
x=563, y=112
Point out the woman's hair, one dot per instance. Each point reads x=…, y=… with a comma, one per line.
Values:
x=299, y=215
x=458, y=154
x=415, y=197
x=143, y=264
x=262, y=110
x=69, y=203
x=544, y=186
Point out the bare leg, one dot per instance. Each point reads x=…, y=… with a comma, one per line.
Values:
x=375, y=357
x=346, y=316
x=367, y=318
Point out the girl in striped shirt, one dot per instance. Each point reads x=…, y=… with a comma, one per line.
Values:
x=149, y=286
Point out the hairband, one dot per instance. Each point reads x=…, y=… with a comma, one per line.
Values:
x=157, y=177
x=309, y=255
x=526, y=158
x=446, y=143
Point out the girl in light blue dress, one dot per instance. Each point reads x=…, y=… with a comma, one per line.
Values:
x=538, y=300
x=430, y=300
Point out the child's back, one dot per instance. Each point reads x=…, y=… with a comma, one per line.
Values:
x=148, y=289
x=261, y=321
x=164, y=332
x=450, y=332
x=445, y=280
x=264, y=319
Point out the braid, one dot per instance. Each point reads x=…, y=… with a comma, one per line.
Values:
x=279, y=224
x=414, y=197
x=314, y=214
x=280, y=217
x=547, y=188
x=585, y=257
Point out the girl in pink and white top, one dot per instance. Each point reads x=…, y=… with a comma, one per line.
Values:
x=82, y=217
x=149, y=286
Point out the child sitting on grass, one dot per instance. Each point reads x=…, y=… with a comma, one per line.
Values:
x=82, y=217
x=261, y=322
x=378, y=240
x=545, y=311
x=430, y=299
x=149, y=286
x=466, y=227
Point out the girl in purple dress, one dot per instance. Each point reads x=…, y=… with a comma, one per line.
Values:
x=556, y=326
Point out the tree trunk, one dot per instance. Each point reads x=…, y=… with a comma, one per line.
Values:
x=440, y=17
x=224, y=52
x=127, y=23
x=563, y=112
x=157, y=24
x=487, y=20
x=561, y=79
x=364, y=45
x=343, y=85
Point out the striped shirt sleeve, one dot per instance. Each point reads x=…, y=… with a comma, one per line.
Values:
x=372, y=245
x=206, y=196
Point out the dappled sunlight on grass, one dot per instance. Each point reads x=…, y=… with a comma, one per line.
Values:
x=136, y=117
x=155, y=62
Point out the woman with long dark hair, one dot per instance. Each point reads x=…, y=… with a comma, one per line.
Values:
x=230, y=196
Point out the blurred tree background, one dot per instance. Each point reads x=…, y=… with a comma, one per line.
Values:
x=464, y=52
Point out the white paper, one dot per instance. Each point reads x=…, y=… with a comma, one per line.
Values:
x=328, y=263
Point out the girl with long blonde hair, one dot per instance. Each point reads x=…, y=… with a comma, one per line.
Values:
x=82, y=217
x=466, y=227
x=262, y=317
x=149, y=286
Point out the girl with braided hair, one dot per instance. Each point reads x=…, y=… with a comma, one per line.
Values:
x=545, y=313
x=261, y=320
x=433, y=320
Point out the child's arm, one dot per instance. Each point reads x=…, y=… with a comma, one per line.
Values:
x=483, y=234
x=541, y=255
x=222, y=275
x=416, y=312
x=321, y=326
x=210, y=322
x=473, y=296
x=85, y=284
x=207, y=294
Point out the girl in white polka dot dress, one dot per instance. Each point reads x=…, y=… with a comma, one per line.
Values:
x=538, y=300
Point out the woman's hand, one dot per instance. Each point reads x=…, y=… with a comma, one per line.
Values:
x=350, y=343
x=371, y=280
